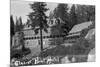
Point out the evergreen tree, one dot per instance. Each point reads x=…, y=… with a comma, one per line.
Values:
x=90, y=13
x=61, y=11
x=19, y=29
x=62, y=16
x=28, y=22
x=39, y=18
x=73, y=16
x=21, y=34
x=12, y=32
x=19, y=24
x=85, y=13
x=12, y=27
x=61, y=28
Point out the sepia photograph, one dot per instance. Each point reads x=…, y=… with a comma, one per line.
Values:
x=44, y=33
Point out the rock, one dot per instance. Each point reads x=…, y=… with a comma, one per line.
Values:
x=65, y=60
x=91, y=55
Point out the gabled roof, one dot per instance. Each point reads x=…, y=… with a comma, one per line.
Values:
x=80, y=27
x=76, y=30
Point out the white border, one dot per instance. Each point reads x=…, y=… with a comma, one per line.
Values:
x=89, y=2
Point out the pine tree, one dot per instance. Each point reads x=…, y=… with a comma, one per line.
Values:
x=85, y=13
x=28, y=22
x=21, y=34
x=61, y=28
x=19, y=29
x=62, y=16
x=19, y=24
x=61, y=11
x=12, y=32
x=73, y=16
x=12, y=27
x=39, y=19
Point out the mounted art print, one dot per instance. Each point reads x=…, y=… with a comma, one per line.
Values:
x=44, y=33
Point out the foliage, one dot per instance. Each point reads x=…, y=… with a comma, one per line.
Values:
x=56, y=30
x=38, y=19
x=12, y=32
x=19, y=30
x=61, y=11
x=85, y=13
x=73, y=16
x=19, y=25
x=79, y=50
x=78, y=14
x=12, y=27
x=65, y=23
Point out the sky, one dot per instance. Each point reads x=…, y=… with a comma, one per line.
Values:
x=22, y=8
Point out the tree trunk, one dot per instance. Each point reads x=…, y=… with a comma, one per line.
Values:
x=41, y=39
x=22, y=41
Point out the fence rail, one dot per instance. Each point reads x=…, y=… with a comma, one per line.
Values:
x=54, y=36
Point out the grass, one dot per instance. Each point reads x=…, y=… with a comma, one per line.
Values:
x=79, y=50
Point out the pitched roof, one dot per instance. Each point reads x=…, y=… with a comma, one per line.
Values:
x=80, y=27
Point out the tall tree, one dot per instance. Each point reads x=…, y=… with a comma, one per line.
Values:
x=62, y=16
x=90, y=13
x=28, y=22
x=39, y=19
x=61, y=11
x=12, y=26
x=85, y=13
x=19, y=24
x=21, y=34
x=19, y=27
x=12, y=32
x=73, y=16
x=62, y=27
